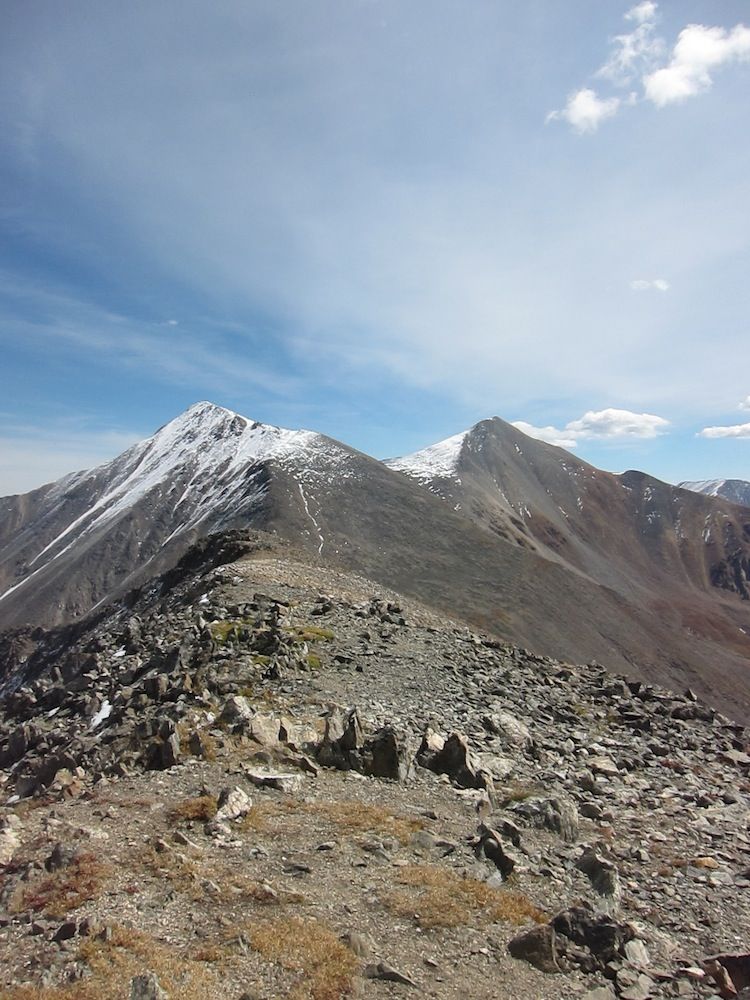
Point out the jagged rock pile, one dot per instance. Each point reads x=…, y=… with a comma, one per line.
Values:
x=621, y=808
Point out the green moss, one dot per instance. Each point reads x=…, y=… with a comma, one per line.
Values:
x=224, y=632
x=313, y=661
x=310, y=633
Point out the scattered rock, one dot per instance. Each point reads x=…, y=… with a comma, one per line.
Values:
x=146, y=987
x=382, y=970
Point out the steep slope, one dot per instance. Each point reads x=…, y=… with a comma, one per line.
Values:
x=734, y=490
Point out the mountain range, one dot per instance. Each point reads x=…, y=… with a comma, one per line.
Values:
x=506, y=532
x=734, y=490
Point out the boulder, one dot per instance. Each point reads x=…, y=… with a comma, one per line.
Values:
x=236, y=711
x=538, y=947
x=342, y=739
x=454, y=759
x=385, y=755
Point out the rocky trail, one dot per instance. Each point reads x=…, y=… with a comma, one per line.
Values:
x=267, y=780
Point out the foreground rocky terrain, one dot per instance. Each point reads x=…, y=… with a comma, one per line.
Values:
x=266, y=779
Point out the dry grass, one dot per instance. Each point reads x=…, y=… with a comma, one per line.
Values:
x=517, y=791
x=259, y=818
x=209, y=882
x=358, y=817
x=201, y=808
x=80, y=991
x=445, y=899
x=62, y=891
x=325, y=967
x=348, y=817
x=130, y=953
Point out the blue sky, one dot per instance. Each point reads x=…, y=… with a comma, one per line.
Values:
x=380, y=220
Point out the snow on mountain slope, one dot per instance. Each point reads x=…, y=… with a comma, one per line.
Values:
x=438, y=461
x=196, y=465
x=710, y=487
x=734, y=490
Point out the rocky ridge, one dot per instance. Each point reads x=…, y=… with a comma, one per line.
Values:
x=246, y=764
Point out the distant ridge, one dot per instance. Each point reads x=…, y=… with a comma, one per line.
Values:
x=508, y=533
x=734, y=490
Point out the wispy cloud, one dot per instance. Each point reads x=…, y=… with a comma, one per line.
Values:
x=199, y=356
x=732, y=431
x=644, y=285
x=608, y=424
x=745, y=404
x=642, y=12
x=31, y=455
x=634, y=51
x=698, y=52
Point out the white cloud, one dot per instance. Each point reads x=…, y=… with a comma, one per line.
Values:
x=612, y=423
x=642, y=12
x=585, y=111
x=734, y=431
x=698, y=51
x=745, y=404
x=636, y=51
x=609, y=423
x=551, y=435
x=642, y=285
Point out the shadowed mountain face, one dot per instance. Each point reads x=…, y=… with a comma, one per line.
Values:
x=734, y=490
x=503, y=531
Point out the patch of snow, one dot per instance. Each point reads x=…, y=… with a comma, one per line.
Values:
x=104, y=713
x=439, y=461
x=315, y=523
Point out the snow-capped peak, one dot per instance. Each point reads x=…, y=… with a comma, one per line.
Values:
x=201, y=464
x=438, y=461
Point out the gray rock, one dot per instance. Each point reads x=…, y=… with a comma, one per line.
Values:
x=236, y=711
x=556, y=814
x=382, y=970
x=454, y=759
x=602, y=873
x=146, y=987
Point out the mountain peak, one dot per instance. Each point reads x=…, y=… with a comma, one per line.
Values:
x=439, y=460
